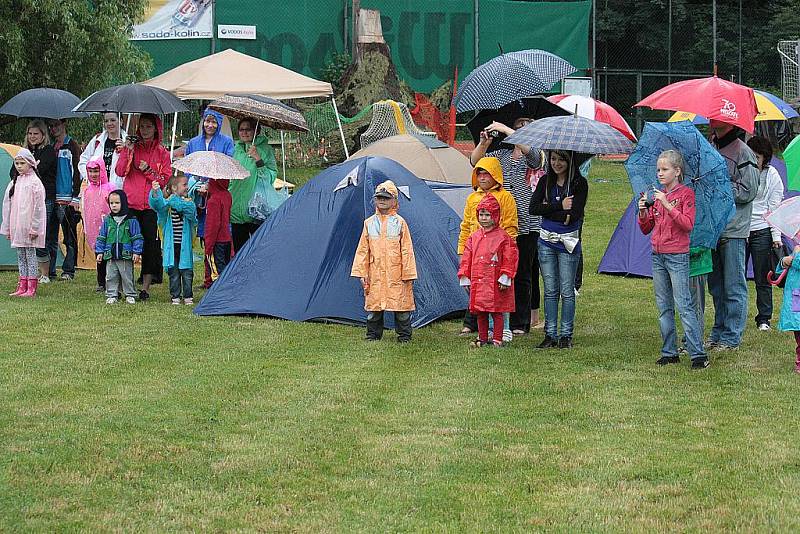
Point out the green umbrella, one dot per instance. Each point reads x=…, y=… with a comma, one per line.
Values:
x=792, y=158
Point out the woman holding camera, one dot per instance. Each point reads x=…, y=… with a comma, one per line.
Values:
x=142, y=161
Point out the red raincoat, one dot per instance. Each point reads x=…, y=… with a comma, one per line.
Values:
x=487, y=256
x=218, y=215
x=137, y=184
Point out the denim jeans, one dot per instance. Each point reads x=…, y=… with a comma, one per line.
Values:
x=66, y=218
x=759, y=248
x=671, y=285
x=180, y=280
x=728, y=287
x=558, y=274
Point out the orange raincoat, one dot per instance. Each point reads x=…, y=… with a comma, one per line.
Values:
x=385, y=258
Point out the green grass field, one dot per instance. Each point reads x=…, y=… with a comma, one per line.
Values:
x=147, y=418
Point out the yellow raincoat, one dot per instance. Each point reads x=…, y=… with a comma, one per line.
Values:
x=385, y=258
x=508, y=207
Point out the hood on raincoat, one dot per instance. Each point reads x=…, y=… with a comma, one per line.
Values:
x=215, y=185
x=387, y=187
x=27, y=155
x=97, y=163
x=218, y=116
x=159, y=135
x=123, y=198
x=490, y=204
x=488, y=164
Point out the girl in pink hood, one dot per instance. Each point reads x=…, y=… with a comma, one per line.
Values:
x=95, y=208
x=24, y=221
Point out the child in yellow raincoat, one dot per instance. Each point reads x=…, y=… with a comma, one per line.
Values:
x=386, y=266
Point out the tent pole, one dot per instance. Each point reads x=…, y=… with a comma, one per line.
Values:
x=283, y=159
x=172, y=143
x=339, y=124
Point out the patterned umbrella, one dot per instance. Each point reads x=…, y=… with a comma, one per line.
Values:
x=212, y=165
x=511, y=76
x=265, y=110
x=706, y=172
x=786, y=217
x=572, y=133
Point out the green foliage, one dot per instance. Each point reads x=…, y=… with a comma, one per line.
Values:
x=335, y=67
x=75, y=45
x=634, y=35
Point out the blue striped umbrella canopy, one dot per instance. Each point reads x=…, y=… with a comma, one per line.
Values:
x=572, y=133
x=511, y=76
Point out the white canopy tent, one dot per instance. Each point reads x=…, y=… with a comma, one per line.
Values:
x=232, y=72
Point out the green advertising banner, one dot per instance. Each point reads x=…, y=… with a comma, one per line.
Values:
x=428, y=40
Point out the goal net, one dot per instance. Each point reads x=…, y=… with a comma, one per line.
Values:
x=390, y=118
x=790, y=79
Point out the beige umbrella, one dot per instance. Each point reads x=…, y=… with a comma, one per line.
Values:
x=209, y=164
x=426, y=157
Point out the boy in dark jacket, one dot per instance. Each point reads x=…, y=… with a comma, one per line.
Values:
x=68, y=189
x=120, y=243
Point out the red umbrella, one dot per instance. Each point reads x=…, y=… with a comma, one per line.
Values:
x=590, y=108
x=712, y=97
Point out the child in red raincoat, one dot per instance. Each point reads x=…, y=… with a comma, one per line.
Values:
x=218, y=241
x=487, y=270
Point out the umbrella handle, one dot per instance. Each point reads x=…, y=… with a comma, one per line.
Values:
x=775, y=281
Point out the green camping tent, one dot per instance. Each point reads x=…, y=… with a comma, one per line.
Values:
x=8, y=258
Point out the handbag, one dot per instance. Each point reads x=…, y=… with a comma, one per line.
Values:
x=265, y=200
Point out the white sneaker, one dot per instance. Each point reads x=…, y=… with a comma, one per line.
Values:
x=130, y=300
x=44, y=279
x=111, y=300
x=177, y=302
x=508, y=336
x=763, y=327
x=189, y=301
x=577, y=293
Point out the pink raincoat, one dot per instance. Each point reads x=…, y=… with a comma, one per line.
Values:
x=95, y=202
x=24, y=221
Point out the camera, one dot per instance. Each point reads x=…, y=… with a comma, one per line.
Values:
x=493, y=133
x=648, y=203
x=133, y=139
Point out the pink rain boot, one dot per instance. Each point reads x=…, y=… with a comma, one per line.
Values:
x=33, y=282
x=22, y=287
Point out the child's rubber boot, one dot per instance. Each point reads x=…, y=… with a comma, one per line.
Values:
x=797, y=364
x=22, y=287
x=33, y=282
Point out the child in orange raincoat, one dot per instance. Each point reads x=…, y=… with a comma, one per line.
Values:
x=386, y=266
x=487, y=270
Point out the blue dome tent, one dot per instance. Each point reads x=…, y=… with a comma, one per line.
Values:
x=297, y=265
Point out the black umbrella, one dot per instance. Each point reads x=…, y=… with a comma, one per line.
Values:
x=43, y=102
x=132, y=98
x=535, y=107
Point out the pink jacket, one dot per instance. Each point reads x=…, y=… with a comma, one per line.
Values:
x=95, y=201
x=670, y=229
x=24, y=214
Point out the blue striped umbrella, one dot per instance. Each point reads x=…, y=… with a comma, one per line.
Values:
x=511, y=76
x=572, y=133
